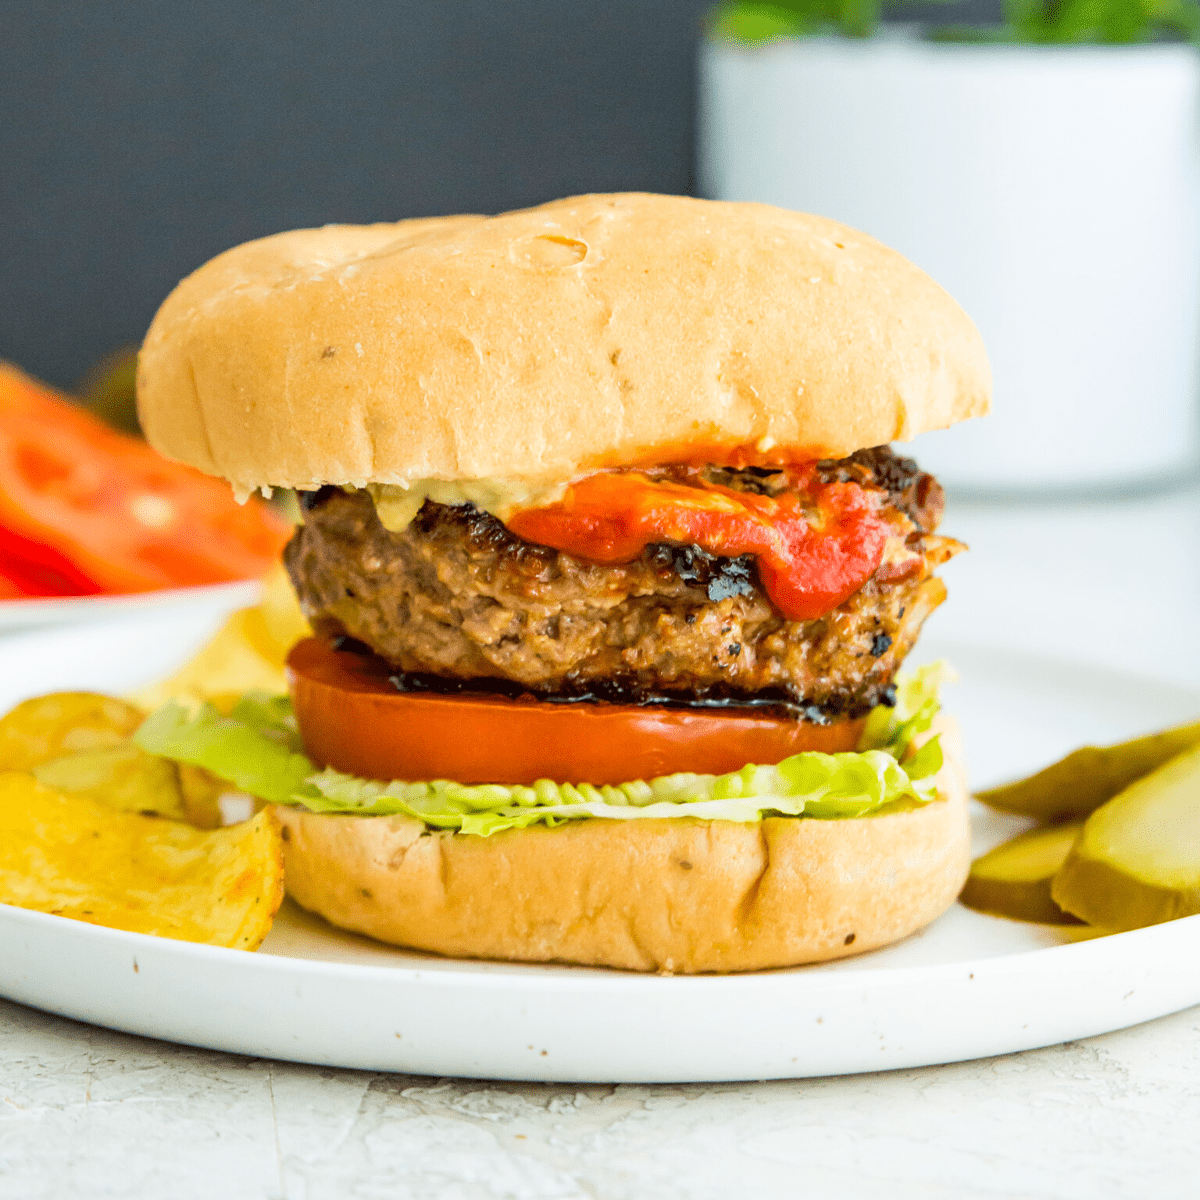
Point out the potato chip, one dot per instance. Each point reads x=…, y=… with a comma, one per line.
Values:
x=283, y=622
x=63, y=723
x=202, y=791
x=232, y=663
x=124, y=777
x=245, y=655
x=74, y=857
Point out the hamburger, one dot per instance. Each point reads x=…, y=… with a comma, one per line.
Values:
x=600, y=522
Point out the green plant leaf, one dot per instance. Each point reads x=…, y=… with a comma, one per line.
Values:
x=755, y=24
x=1085, y=22
x=858, y=18
x=752, y=23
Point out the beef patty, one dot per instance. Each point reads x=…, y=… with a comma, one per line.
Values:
x=455, y=596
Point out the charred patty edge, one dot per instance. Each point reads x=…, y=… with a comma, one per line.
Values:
x=621, y=690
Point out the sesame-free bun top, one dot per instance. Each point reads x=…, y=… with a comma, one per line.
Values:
x=594, y=331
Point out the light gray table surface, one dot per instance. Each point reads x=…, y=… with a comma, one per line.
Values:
x=85, y=1112
x=89, y=1113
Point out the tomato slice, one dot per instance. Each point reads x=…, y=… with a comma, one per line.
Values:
x=32, y=569
x=106, y=511
x=353, y=719
x=16, y=585
x=809, y=564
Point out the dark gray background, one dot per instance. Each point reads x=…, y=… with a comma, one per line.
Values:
x=140, y=137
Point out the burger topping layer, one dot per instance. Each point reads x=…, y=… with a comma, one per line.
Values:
x=257, y=748
x=457, y=595
x=815, y=543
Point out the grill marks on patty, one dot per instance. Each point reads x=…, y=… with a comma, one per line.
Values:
x=456, y=596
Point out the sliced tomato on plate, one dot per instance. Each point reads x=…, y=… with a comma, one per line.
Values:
x=103, y=512
x=12, y=587
x=29, y=569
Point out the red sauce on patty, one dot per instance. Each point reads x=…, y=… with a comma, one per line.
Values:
x=816, y=544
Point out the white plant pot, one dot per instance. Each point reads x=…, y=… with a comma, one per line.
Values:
x=1054, y=191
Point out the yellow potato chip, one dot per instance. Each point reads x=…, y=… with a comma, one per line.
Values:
x=233, y=662
x=202, y=792
x=63, y=723
x=246, y=654
x=77, y=858
x=122, y=776
x=283, y=622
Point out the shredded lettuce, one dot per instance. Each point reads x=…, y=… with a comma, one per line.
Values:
x=257, y=748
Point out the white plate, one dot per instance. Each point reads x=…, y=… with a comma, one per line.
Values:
x=64, y=610
x=969, y=986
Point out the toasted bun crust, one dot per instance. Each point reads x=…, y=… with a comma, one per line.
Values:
x=597, y=330
x=645, y=895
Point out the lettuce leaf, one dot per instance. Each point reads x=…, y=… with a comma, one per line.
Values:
x=257, y=748
x=811, y=784
x=254, y=748
x=917, y=703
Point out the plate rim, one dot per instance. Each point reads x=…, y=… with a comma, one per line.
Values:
x=563, y=974
x=106, y=602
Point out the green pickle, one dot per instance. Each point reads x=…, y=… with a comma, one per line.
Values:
x=1080, y=783
x=1013, y=880
x=1137, y=861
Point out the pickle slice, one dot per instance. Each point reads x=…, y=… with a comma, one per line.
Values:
x=1137, y=861
x=1013, y=880
x=1087, y=778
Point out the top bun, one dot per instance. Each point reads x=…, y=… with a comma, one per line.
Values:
x=596, y=331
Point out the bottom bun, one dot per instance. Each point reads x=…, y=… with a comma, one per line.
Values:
x=677, y=895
